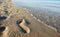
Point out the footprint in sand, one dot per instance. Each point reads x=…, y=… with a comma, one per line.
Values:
x=4, y=31
x=22, y=24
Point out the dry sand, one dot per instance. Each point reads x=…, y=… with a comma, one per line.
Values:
x=13, y=29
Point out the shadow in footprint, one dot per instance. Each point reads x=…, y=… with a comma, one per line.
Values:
x=2, y=29
x=2, y=18
x=18, y=21
x=27, y=22
x=22, y=30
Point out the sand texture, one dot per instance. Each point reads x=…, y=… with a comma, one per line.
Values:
x=17, y=22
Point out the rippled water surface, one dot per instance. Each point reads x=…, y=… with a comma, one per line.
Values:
x=44, y=5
